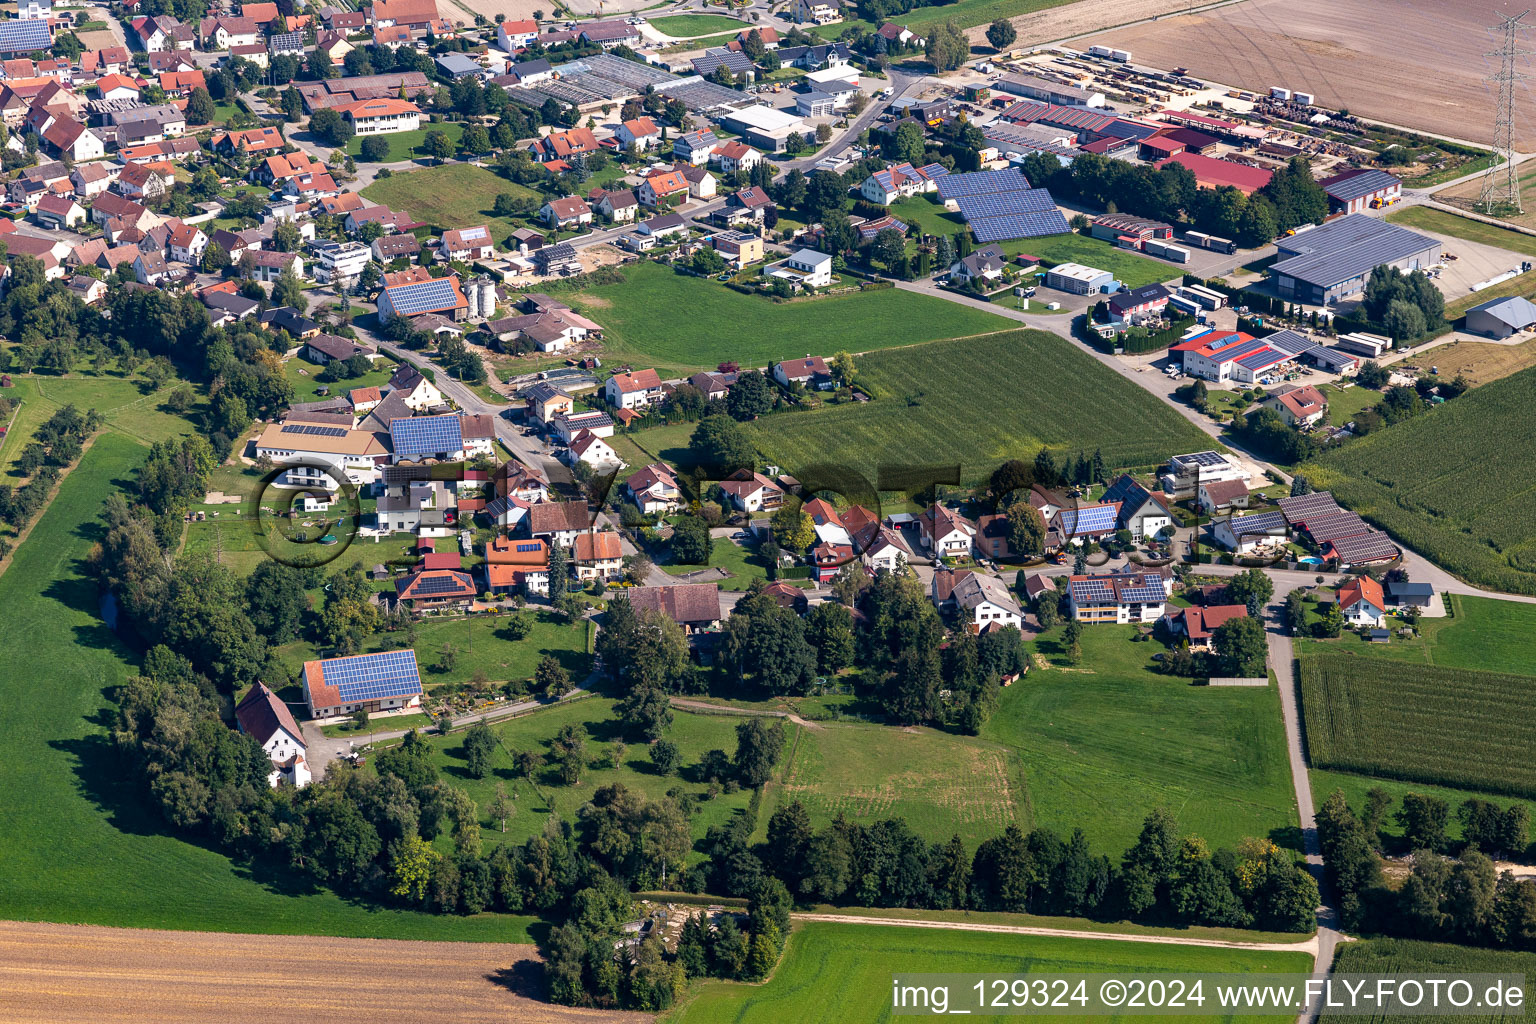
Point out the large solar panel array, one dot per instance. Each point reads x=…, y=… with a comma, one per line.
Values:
x=980, y=183
x=427, y=435
x=24, y=35
x=1089, y=519
x=422, y=296
x=1333, y=525
x=310, y=428
x=1258, y=524
x=1019, y=225
x=1261, y=358
x=998, y=204
x=1365, y=547
x=1302, y=506
x=373, y=676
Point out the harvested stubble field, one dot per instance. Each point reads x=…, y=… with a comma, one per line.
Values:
x=62, y=974
x=1455, y=727
x=1044, y=24
x=514, y=10
x=1455, y=485
x=1414, y=64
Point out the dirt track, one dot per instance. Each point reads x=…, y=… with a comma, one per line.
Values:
x=62, y=974
x=1417, y=63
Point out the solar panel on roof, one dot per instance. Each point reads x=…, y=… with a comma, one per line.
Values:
x=429, y=585
x=1088, y=520
x=310, y=428
x=17, y=36
x=373, y=676
x=1202, y=459
x=1143, y=594
x=422, y=296
x=1019, y=225
x=427, y=435
x=999, y=204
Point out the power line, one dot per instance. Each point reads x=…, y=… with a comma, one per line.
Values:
x=1501, y=183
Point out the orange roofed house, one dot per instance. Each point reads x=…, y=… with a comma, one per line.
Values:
x=517, y=563
x=598, y=556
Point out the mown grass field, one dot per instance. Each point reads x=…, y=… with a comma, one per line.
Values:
x=680, y=323
x=1455, y=485
x=683, y=26
x=449, y=196
x=743, y=565
x=301, y=373
x=78, y=842
x=1104, y=742
x=123, y=403
x=942, y=784
x=407, y=145
x=842, y=972
x=1420, y=723
x=1442, y=223
x=1483, y=633
x=976, y=403
x=1431, y=959
x=547, y=795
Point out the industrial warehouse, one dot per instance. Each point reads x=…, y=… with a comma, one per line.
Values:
x=1326, y=264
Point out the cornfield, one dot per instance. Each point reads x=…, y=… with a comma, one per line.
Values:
x=1455, y=485
x=1421, y=723
x=1406, y=958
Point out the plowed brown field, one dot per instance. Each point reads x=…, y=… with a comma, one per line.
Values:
x=1417, y=63
x=63, y=974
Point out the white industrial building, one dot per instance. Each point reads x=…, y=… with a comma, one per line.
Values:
x=764, y=127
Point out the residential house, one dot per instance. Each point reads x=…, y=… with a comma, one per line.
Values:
x=143, y=181
x=186, y=244
x=434, y=589
x=945, y=533
x=804, y=268
x=1362, y=602
x=91, y=180
x=640, y=132
x=750, y=205
x=816, y=12
x=1144, y=513
x=810, y=372
x=418, y=393
x=633, y=390
x=1129, y=303
x=268, y=264
x=740, y=249
x=899, y=181
x=520, y=564
x=984, y=266
x=150, y=268
x=89, y=290
x=324, y=348
x=59, y=212
x=695, y=147
x=979, y=599
x=701, y=183
x=314, y=455
x=1221, y=496
x=1300, y=406
x=1122, y=597
x=570, y=145
x=597, y=556
x=267, y=720
x=559, y=522
x=619, y=207
x=1244, y=534
x=694, y=606
x=566, y=213
x=468, y=244
x=752, y=492
x=512, y=36
x=736, y=155
x=663, y=187
x=608, y=34
x=479, y=435
x=387, y=248
x=654, y=489
x=340, y=261
x=1200, y=623
x=415, y=291
x=559, y=259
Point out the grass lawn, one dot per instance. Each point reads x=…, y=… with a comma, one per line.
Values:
x=1104, y=742
x=391, y=723
x=977, y=403
x=693, y=734
x=1441, y=223
x=79, y=842
x=407, y=145
x=449, y=196
x=1345, y=402
x=301, y=373
x=744, y=565
x=842, y=972
x=479, y=647
x=943, y=784
x=679, y=323
x=684, y=26
x=1438, y=485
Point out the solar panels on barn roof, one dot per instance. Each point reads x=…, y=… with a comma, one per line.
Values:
x=979, y=183
x=1088, y=519
x=422, y=296
x=310, y=428
x=23, y=36
x=364, y=677
x=427, y=435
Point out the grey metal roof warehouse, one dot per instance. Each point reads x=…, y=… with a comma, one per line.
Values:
x=1354, y=186
x=1331, y=262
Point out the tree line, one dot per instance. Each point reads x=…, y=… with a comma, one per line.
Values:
x=1452, y=891
x=55, y=445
